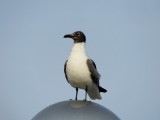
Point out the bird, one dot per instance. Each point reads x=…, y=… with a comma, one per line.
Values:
x=80, y=70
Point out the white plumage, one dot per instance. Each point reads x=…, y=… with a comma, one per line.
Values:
x=78, y=73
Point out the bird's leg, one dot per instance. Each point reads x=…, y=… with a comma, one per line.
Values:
x=76, y=93
x=86, y=93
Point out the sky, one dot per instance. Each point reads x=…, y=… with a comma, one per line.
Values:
x=123, y=38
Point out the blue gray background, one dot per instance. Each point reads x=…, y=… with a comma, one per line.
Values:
x=123, y=38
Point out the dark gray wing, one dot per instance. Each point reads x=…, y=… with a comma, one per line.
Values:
x=93, y=63
x=93, y=70
x=65, y=65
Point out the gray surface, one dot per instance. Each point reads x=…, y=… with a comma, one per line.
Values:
x=75, y=110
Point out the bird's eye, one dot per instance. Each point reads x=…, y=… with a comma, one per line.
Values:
x=78, y=34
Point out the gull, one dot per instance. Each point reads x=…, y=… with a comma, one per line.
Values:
x=80, y=70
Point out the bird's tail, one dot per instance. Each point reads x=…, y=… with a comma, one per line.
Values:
x=102, y=89
x=94, y=93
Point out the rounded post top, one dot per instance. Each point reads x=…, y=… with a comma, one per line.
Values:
x=75, y=110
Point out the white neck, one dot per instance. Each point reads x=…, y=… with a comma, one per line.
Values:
x=78, y=49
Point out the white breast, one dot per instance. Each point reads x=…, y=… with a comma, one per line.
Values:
x=77, y=70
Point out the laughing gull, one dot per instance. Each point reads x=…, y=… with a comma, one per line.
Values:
x=80, y=71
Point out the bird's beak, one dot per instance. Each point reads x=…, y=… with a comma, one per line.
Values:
x=68, y=36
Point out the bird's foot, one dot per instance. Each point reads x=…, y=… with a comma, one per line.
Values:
x=76, y=99
x=84, y=99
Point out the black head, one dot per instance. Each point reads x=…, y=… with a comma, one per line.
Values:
x=77, y=36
